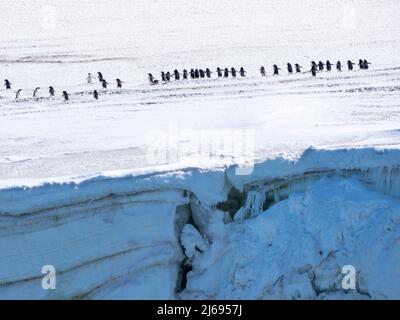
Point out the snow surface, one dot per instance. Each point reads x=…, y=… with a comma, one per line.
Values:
x=124, y=194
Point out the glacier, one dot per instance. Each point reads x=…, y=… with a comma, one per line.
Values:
x=208, y=233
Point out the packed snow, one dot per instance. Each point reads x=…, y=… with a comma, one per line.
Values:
x=140, y=194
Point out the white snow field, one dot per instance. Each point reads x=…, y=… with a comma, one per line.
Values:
x=138, y=195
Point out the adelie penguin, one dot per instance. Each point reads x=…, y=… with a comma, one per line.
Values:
x=168, y=76
x=361, y=64
x=104, y=84
x=298, y=68
x=350, y=65
x=226, y=73
x=202, y=73
x=339, y=66
x=65, y=95
x=276, y=70
x=51, y=91
x=100, y=76
x=208, y=73
x=196, y=74
x=219, y=72
x=320, y=66
x=328, y=65
x=177, y=75
x=163, y=77
x=18, y=94
x=7, y=84
x=119, y=83
x=289, y=68
x=366, y=64
x=184, y=74
x=314, y=70
x=192, y=75
x=262, y=71
x=233, y=72
x=242, y=72
x=36, y=91
x=96, y=95
x=90, y=78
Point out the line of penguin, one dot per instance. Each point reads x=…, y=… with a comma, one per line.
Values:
x=65, y=94
x=200, y=74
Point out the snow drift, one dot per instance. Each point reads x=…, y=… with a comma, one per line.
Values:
x=284, y=231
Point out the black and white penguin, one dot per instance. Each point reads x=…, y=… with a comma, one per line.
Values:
x=18, y=93
x=196, y=74
x=151, y=78
x=314, y=70
x=202, y=73
x=350, y=65
x=184, y=74
x=242, y=72
x=298, y=68
x=100, y=76
x=262, y=71
x=208, y=73
x=366, y=64
x=90, y=78
x=276, y=70
x=321, y=66
x=35, y=91
x=51, y=91
x=163, y=76
x=313, y=64
x=119, y=83
x=96, y=95
x=177, y=75
x=339, y=66
x=226, y=73
x=361, y=64
x=192, y=75
x=219, y=72
x=7, y=84
x=233, y=72
x=289, y=68
x=104, y=84
x=328, y=65
x=65, y=95
x=168, y=76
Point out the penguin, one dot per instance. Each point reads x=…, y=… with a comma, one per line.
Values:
x=202, y=73
x=298, y=68
x=192, y=75
x=350, y=65
x=7, y=84
x=328, y=65
x=289, y=68
x=276, y=70
x=155, y=81
x=226, y=73
x=361, y=64
x=366, y=63
x=233, y=72
x=18, y=93
x=96, y=94
x=313, y=64
x=339, y=66
x=262, y=71
x=90, y=78
x=314, y=70
x=151, y=78
x=51, y=91
x=242, y=72
x=219, y=72
x=208, y=73
x=100, y=76
x=104, y=84
x=119, y=83
x=168, y=76
x=35, y=91
x=65, y=95
x=320, y=66
x=185, y=74
x=177, y=75
x=196, y=74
